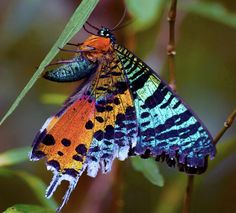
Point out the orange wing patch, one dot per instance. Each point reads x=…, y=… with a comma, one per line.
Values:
x=66, y=139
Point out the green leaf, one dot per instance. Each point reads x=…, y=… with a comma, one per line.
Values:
x=26, y=208
x=53, y=98
x=73, y=26
x=144, y=18
x=14, y=156
x=37, y=186
x=213, y=11
x=148, y=167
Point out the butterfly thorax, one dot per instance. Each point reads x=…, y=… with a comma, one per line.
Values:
x=97, y=48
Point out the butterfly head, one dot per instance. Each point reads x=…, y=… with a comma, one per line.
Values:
x=107, y=33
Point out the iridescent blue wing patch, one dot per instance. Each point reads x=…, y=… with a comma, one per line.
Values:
x=167, y=128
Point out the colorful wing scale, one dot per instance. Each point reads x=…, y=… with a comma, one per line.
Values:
x=64, y=140
x=167, y=128
x=97, y=124
x=123, y=109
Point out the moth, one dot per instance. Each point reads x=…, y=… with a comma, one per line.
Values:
x=122, y=109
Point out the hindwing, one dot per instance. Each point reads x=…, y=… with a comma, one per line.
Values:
x=167, y=127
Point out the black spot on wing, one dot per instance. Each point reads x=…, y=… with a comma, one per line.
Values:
x=89, y=125
x=100, y=108
x=60, y=153
x=71, y=172
x=98, y=135
x=109, y=108
x=116, y=101
x=48, y=140
x=121, y=87
x=66, y=142
x=77, y=158
x=99, y=119
x=109, y=132
x=55, y=164
x=81, y=149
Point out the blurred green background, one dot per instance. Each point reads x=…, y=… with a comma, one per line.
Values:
x=206, y=79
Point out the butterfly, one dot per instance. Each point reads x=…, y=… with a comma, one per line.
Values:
x=121, y=109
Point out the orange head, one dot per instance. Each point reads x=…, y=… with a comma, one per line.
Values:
x=97, y=46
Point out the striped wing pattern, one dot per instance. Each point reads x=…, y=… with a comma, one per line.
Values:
x=167, y=128
x=123, y=109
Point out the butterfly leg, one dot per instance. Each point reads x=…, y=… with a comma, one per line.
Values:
x=73, y=44
x=60, y=62
x=77, y=51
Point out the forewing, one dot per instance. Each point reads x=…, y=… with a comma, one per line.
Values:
x=167, y=127
x=96, y=125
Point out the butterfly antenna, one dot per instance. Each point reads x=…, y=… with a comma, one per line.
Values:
x=94, y=27
x=88, y=30
x=124, y=25
x=120, y=21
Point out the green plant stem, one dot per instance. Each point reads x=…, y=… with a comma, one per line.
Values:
x=188, y=194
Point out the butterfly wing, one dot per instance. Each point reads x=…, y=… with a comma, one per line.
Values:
x=123, y=109
x=65, y=138
x=167, y=127
x=116, y=118
x=96, y=124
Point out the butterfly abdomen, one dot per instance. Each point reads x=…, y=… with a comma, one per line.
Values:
x=79, y=68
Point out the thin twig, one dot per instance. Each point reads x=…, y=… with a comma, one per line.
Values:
x=188, y=194
x=171, y=45
x=227, y=124
x=171, y=52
